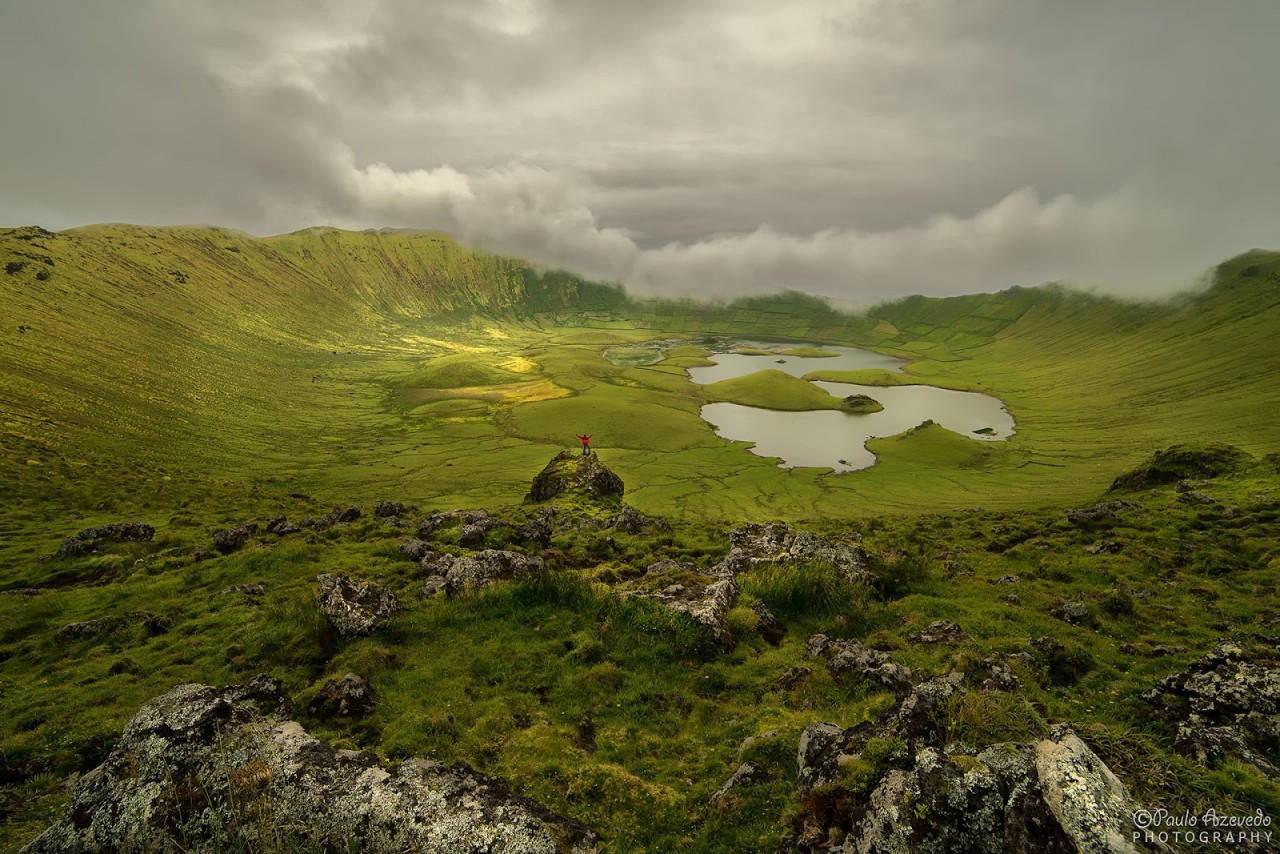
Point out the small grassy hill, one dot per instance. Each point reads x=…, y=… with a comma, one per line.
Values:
x=774, y=389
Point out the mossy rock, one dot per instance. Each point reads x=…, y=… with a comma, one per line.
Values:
x=1179, y=462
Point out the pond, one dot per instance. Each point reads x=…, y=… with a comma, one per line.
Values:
x=829, y=438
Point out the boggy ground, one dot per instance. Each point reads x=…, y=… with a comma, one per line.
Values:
x=627, y=716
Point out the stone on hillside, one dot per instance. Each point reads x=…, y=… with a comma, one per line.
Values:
x=348, y=696
x=848, y=658
x=436, y=564
x=1007, y=579
x=415, y=549
x=72, y=547
x=337, y=516
x=484, y=568
x=632, y=521
x=469, y=520
x=1180, y=462
x=752, y=741
x=752, y=545
x=1000, y=676
x=746, y=774
x=1104, y=512
x=1072, y=611
x=355, y=607
x=253, y=591
x=709, y=603
x=204, y=765
x=230, y=539
x=940, y=631
x=768, y=625
x=281, y=526
x=434, y=586
x=1053, y=795
x=1105, y=547
x=570, y=472
x=1195, y=497
x=89, y=628
x=119, y=532
x=536, y=530
x=386, y=509
x=1226, y=704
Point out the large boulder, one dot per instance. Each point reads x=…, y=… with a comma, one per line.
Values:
x=707, y=600
x=355, y=607
x=1053, y=795
x=202, y=769
x=570, y=473
x=1225, y=704
x=484, y=568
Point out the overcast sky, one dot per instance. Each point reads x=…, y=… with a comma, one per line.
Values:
x=857, y=149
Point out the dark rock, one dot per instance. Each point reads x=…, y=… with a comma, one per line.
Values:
x=348, y=696
x=1163, y=650
x=1007, y=579
x=201, y=554
x=1105, y=547
x=434, y=564
x=1226, y=704
x=1193, y=497
x=355, y=607
x=386, y=509
x=746, y=774
x=999, y=675
x=72, y=547
x=471, y=522
x=203, y=765
x=119, y=532
x=919, y=717
x=850, y=659
x=89, y=628
x=337, y=516
x=570, y=473
x=792, y=676
x=768, y=625
x=153, y=624
x=537, y=530
x=433, y=586
x=471, y=535
x=632, y=521
x=940, y=631
x=484, y=568
x=1072, y=611
x=280, y=526
x=1011, y=598
x=228, y=540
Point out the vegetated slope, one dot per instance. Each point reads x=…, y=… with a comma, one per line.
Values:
x=342, y=362
x=773, y=389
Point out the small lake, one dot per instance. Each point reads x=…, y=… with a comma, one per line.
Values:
x=828, y=438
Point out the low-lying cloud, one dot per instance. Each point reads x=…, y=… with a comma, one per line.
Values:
x=860, y=150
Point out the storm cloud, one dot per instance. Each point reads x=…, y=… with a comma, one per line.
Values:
x=859, y=149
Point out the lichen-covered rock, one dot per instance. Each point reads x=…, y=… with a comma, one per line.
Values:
x=116, y=532
x=537, y=530
x=1226, y=704
x=254, y=590
x=1072, y=611
x=415, y=549
x=632, y=521
x=355, y=607
x=1105, y=547
x=1104, y=512
x=850, y=659
x=1053, y=795
x=999, y=675
x=280, y=526
x=471, y=522
x=336, y=516
x=484, y=568
x=752, y=545
x=206, y=770
x=708, y=603
x=746, y=774
x=347, y=696
x=791, y=676
x=89, y=628
x=584, y=475
x=940, y=631
x=434, y=586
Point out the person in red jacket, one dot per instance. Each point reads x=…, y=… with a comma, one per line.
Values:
x=586, y=442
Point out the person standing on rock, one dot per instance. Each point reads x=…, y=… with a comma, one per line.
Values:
x=586, y=442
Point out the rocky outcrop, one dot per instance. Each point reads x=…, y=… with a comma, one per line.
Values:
x=1180, y=462
x=1053, y=795
x=940, y=631
x=537, y=529
x=280, y=526
x=708, y=600
x=387, y=509
x=1226, y=704
x=336, y=516
x=202, y=769
x=1102, y=513
x=152, y=624
x=752, y=545
x=746, y=774
x=484, y=568
x=569, y=473
x=473, y=525
x=355, y=607
x=117, y=532
x=850, y=659
x=348, y=696
x=230, y=539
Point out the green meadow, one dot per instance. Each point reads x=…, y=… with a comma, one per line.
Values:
x=196, y=378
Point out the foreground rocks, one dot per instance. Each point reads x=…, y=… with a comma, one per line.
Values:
x=202, y=769
x=569, y=472
x=850, y=659
x=753, y=545
x=705, y=599
x=355, y=607
x=117, y=532
x=481, y=569
x=1226, y=704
